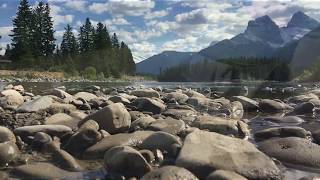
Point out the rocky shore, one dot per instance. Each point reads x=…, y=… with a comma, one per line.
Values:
x=167, y=134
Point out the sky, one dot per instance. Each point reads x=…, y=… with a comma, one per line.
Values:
x=153, y=26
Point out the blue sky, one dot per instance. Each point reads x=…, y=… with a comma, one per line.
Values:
x=152, y=26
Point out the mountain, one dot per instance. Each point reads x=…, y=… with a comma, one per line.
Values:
x=262, y=38
x=162, y=61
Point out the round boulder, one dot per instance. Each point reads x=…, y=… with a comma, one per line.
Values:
x=169, y=173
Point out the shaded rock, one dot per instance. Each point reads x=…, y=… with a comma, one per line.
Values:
x=192, y=93
x=8, y=152
x=217, y=124
x=59, y=93
x=122, y=139
x=247, y=103
x=53, y=130
x=292, y=150
x=204, y=152
x=119, y=99
x=178, y=96
x=136, y=115
x=41, y=139
x=162, y=141
x=302, y=98
x=85, y=95
x=35, y=105
x=286, y=119
x=225, y=175
x=142, y=123
x=126, y=161
x=149, y=105
x=62, y=119
x=179, y=113
x=149, y=93
x=303, y=108
x=169, y=125
x=272, y=106
x=65, y=161
x=287, y=131
x=82, y=139
x=113, y=118
x=148, y=155
x=6, y=135
x=40, y=170
x=169, y=173
x=61, y=108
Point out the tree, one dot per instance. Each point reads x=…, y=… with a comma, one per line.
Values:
x=115, y=41
x=22, y=33
x=69, y=44
x=49, y=40
x=86, y=37
x=126, y=59
x=101, y=37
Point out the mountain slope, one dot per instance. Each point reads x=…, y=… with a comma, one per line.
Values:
x=162, y=61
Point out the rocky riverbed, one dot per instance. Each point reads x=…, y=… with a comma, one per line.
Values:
x=159, y=133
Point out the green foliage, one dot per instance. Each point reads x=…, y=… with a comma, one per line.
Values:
x=90, y=73
x=230, y=69
x=33, y=46
x=311, y=74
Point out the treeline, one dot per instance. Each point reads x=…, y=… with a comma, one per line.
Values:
x=91, y=53
x=230, y=70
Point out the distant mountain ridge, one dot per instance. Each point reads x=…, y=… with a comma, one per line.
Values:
x=262, y=38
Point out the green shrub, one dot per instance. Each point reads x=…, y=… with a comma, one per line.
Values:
x=90, y=73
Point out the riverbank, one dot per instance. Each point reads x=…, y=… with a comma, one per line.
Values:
x=40, y=76
x=172, y=132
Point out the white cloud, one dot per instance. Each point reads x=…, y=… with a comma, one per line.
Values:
x=79, y=5
x=62, y=19
x=123, y=7
x=156, y=14
x=142, y=50
x=116, y=21
x=5, y=31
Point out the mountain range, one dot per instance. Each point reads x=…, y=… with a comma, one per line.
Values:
x=262, y=38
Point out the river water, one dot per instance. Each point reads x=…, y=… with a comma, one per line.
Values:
x=270, y=90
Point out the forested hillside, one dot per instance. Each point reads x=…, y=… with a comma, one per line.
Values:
x=93, y=52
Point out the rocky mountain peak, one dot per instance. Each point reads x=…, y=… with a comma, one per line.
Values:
x=301, y=20
x=265, y=29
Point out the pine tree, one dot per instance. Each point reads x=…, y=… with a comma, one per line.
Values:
x=49, y=40
x=115, y=41
x=126, y=59
x=101, y=37
x=69, y=44
x=86, y=37
x=22, y=33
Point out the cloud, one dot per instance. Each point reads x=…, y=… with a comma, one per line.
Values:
x=156, y=14
x=123, y=7
x=58, y=18
x=143, y=49
x=5, y=31
x=116, y=21
x=79, y=5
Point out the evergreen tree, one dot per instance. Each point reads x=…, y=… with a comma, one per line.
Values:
x=101, y=37
x=22, y=33
x=115, y=41
x=126, y=59
x=69, y=44
x=86, y=37
x=49, y=40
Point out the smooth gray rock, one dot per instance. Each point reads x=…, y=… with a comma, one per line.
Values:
x=126, y=161
x=178, y=96
x=272, y=106
x=8, y=152
x=62, y=119
x=292, y=150
x=65, y=160
x=162, y=141
x=119, y=99
x=169, y=125
x=149, y=105
x=286, y=119
x=6, y=135
x=150, y=93
x=59, y=93
x=113, y=118
x=225, y=175
x=179, y=113
x=303, y=108
x=204, y=152
x=122, y=139
x=53, y=130
x=247, y=103
x=36, y=105
x=11, y=98
x=286, y=131
x=85, y=95
x=169, y=173
x=142, y=123
x=41, y=170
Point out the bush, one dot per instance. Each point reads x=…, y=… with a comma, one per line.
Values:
x=90, y=73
